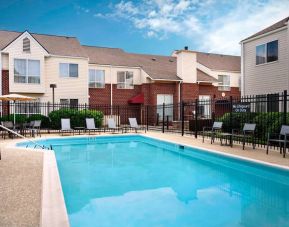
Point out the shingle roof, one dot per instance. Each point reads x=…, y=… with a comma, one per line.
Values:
x=273, y=27
x=219, y=61
x=56, y=45
x=204, y=77
x=156, y=66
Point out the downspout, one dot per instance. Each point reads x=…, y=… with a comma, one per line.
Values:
x=242, y=70
x=110, y=89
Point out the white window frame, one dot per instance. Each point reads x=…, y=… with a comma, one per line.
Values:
x=222, y=86
x=68, y=70
x=96, y=83
x=25, y=108
x=266, y=54
x=27, y=71
x=126, y=84
x=205, y=103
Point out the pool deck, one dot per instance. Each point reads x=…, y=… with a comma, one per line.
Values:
x=21, y=175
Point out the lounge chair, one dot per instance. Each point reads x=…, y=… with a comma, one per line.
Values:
x=9, y=125
x=248, y=132
x=281, y=138
x=111, y=125
x=217, y=127
x=65, y=126
x=90, y=125
x=34, y=128
x=134, y=125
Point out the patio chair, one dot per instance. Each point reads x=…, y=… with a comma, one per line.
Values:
x=111, y=125
x=248, y=132
x=9, y=125
x=34, y=128
x=281, y=138
x=217, y=127
x=65, y=126
x=90, y=125
x=134, y=125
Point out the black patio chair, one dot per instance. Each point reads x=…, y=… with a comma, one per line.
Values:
x=281, y=138
x=248, y=132
x=212, y=131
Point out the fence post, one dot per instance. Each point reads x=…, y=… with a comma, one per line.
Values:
x=147, y=117
x=196, y=118
x=163, y=118
x=183, y=117
x=285, y=107
x=231, y=113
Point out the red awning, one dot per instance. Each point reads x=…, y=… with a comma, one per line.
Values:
x=138, y=99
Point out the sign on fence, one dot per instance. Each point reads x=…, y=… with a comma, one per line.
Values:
x=242, y=107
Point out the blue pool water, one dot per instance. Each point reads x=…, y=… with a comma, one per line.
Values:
x=138, y=181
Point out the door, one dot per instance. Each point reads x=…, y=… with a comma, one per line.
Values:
x=168, y=101
x=204, y=107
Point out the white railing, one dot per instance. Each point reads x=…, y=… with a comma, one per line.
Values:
x=23, y=137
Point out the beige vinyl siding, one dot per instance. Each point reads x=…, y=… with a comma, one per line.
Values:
x=15, y=50
x=234, y=76
x=5, y=62
x=187, y=66
x=67, y=88
x=111, y=73
x=269, y=77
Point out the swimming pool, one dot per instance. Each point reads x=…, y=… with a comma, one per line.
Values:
x=140, y=181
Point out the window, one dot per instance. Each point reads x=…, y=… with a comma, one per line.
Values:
x=27, y=71
x=125, y=80
x=267, y=52
x=96, y=78
x=68, y=70
x=26, y=45
x=72, y=103
x=224, y=83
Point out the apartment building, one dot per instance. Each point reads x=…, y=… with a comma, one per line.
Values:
x=265, y=61
x=31, y=62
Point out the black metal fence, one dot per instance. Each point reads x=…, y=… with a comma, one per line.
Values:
x=268, y=111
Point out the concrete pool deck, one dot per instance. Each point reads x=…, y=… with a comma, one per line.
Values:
x=21, y=175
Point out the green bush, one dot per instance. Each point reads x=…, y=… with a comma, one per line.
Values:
x=45, y=123
x=19, y=118
x=77, y=117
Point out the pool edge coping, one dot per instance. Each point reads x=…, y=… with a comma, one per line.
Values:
x=53, y=209
x=238, y=157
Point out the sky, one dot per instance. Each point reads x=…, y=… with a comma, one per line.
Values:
x=147, y=26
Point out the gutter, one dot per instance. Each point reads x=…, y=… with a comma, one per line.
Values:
x=110, y=89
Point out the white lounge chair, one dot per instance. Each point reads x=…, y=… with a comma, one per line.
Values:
x=65, y=126
x=90, y=125
x=111, y=125
x=134, y=125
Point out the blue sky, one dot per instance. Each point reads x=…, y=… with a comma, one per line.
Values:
x=151, y=26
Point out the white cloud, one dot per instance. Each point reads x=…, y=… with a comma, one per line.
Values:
x=212, y=25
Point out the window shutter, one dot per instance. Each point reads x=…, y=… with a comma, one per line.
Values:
x=26, y=45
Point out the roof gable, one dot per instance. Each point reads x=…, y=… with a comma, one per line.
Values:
x=20, y=36
x=271, y=28
x=54, y=45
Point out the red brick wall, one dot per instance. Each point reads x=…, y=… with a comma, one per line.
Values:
x=189, y=92
x=5, y=90
x=5, y=82
x=215, y=93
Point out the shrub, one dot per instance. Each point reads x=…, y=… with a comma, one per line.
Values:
x=77, y=117
x=45, y=123
x=19, y=118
